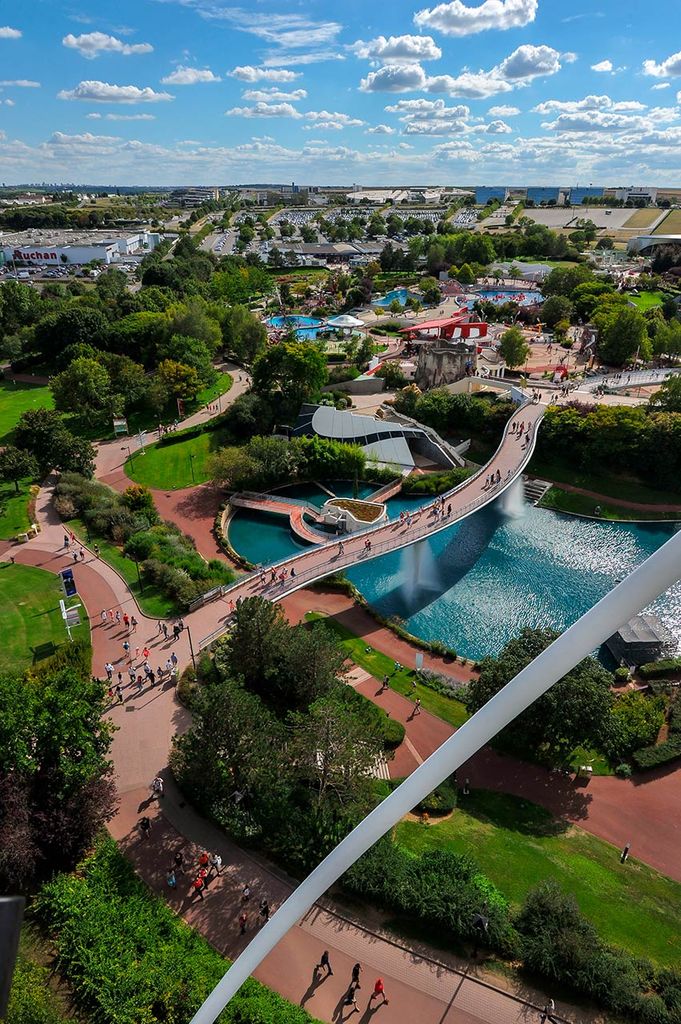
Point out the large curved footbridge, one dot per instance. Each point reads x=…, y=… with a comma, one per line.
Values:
x=504, y=468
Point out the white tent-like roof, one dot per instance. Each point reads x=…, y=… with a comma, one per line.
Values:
x=345, y=320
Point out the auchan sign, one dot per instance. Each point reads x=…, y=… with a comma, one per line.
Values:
x=43, y=255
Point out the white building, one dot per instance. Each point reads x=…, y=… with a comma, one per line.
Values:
x=58, y=248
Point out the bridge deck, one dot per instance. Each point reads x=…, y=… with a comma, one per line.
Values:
x=300, y=570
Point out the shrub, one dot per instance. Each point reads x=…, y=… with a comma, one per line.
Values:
x=393, y=733
x=622, y=674
x=634, y=723
x=442, y=800
x=343, y=373
x=436, y=483
x=663, y=753
x=655, y=669
x=675, y=718
x=31, y=999
x=77, y=656
x=623, y=770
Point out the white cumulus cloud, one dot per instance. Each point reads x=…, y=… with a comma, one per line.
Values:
x=91, y=44
x=248, y=73
x=458, y=19
x=669, y=68
x=662, y=85
x=189, y=76
x=274, y=95
x=19, y=83
x=503, y=111
x=9, y=33
x=121, y=117
x=602, y=65
x=395, y=78
x=397, y=49
x=103, y=92
x=595, y=103
x=264, y=110
x=381, y=129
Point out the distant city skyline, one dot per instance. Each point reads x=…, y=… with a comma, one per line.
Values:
x=498, y=92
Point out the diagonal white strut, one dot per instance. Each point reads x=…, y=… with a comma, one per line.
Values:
x=657, y=574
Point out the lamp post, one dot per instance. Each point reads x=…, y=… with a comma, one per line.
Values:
x=191, y=466
x=191, y=645
x=126, y=448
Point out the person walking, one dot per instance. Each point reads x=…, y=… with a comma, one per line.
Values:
x=246, y=894
x=126, y=649
x=351, y=998
x=198, y=886
x=81, y=553
x=145, y=826
x=118, y=616
x=126, y=621
x=145, y=653
x=179, y=862
x=176, y=632
x=264, y=910
x=171, y=879
x=379, y=990
x=159, y=627
x=164, y=630
x=140, y=683
x=103, y=616
x=204, y=860
x=109, y=670
x=356, y=971
x=325, y=962
x=96, y=550
x=417, y=707
x=132, y=675
x=216, y=863
x=133, y=623
x=174, y=659
x=157, y=787
x=243, y=922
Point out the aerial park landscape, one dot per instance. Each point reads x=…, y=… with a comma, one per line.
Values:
x=340, y=560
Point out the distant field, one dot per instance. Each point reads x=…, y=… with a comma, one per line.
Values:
x=647, y=300
x=642, y=219
x=671, y=225
x=16, y=399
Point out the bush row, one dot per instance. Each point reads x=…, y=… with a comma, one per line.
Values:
x=130, y=960
x=663, y=753
x=436, y=483
x=656, y=669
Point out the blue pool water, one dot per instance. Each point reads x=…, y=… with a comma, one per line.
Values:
x=307, y=327
x=492, y=574
x=499, y=296
x=401, y=294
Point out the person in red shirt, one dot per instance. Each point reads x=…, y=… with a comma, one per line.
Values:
x=197, y=885
x=378, y=991
x=204, y=860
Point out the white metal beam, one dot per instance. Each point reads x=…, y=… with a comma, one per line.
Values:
x=659, y=572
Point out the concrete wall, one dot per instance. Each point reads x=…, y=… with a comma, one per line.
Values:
x=361, y=386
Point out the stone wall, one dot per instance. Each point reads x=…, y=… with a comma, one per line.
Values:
x=442, y=362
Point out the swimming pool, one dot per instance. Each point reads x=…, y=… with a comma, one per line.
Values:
x=499, y=296
x=401, y=294
x=305, y=326
x=491, y=574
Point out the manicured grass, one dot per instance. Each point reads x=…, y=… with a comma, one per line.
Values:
x=380, y=665
x=579, y=504
x=647, y=300
x=172, y=466
x=32, y=626
x=14, y=509
x=607, y=484
x=519, y=844
x=548, y=263
x=16, y=399
x=152, y=601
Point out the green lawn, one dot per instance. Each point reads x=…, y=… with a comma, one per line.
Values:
x=566, y=501
x=152, y=601
x=172, y=466
x=607, y=484
x=519, y=844
x=379, y=665
x=32, y=626
x=16, y=399
x=647, y=300
x=14, y=509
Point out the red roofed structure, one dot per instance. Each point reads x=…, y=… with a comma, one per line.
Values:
x=458, y=327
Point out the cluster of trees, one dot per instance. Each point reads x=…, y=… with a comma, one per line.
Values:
x=42, y=442
x=636, y=441
x=266, y=462
x=579, y=710
x=281, y=751
x=454, y=415
x=56, y=789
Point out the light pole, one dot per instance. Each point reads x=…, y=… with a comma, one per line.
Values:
x=191, y=466
x=126, y=448
x=191, y=645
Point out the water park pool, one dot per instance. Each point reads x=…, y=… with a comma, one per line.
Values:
x=305, y=326
x=490, y=575
x=500, y=296
x=399, y=294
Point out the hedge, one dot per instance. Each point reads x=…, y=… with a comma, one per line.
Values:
x=663, y=753
x=655, y=669
x=32, y=1001
x=436, y=483
x=130, y=959
x=76, y=655
x=442, y=800
x=207, y=427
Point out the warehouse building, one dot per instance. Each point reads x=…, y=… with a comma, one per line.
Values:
x=58, y=248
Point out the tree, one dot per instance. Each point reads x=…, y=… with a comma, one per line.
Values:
x=15, y=464
x=668, y=398
x=244, y=335
x=564, y=280
x=233, y=468
x=192, y=320
x=55, y=785
x=71, y=326
x=334, y=750
x=465, y=274
x=83, y=387
x=294, y=370
x=42, y=433
x=392, y=375
x=190, y=352
x=178, y=380
x=621, y=335
x=111, y=285
x=513, y=348
x=556, y=308
x=129, y=382
x=575, y=711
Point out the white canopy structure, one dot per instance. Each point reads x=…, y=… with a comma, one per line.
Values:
x=345, y=320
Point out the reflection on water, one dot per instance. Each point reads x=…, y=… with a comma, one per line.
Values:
x=497, y=574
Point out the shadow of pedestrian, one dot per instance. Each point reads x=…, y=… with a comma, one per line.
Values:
x=317, y=980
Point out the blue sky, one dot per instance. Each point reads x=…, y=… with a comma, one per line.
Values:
x=462, y=92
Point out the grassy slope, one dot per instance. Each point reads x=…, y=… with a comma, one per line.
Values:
x=519, y=844
x=609, y=485
x=169, y=467
x=647, y=300
x=565, y=501
x=14, y=509
x=152, y=601
x=32, y=626
x=379, y=665
x=16, y=399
